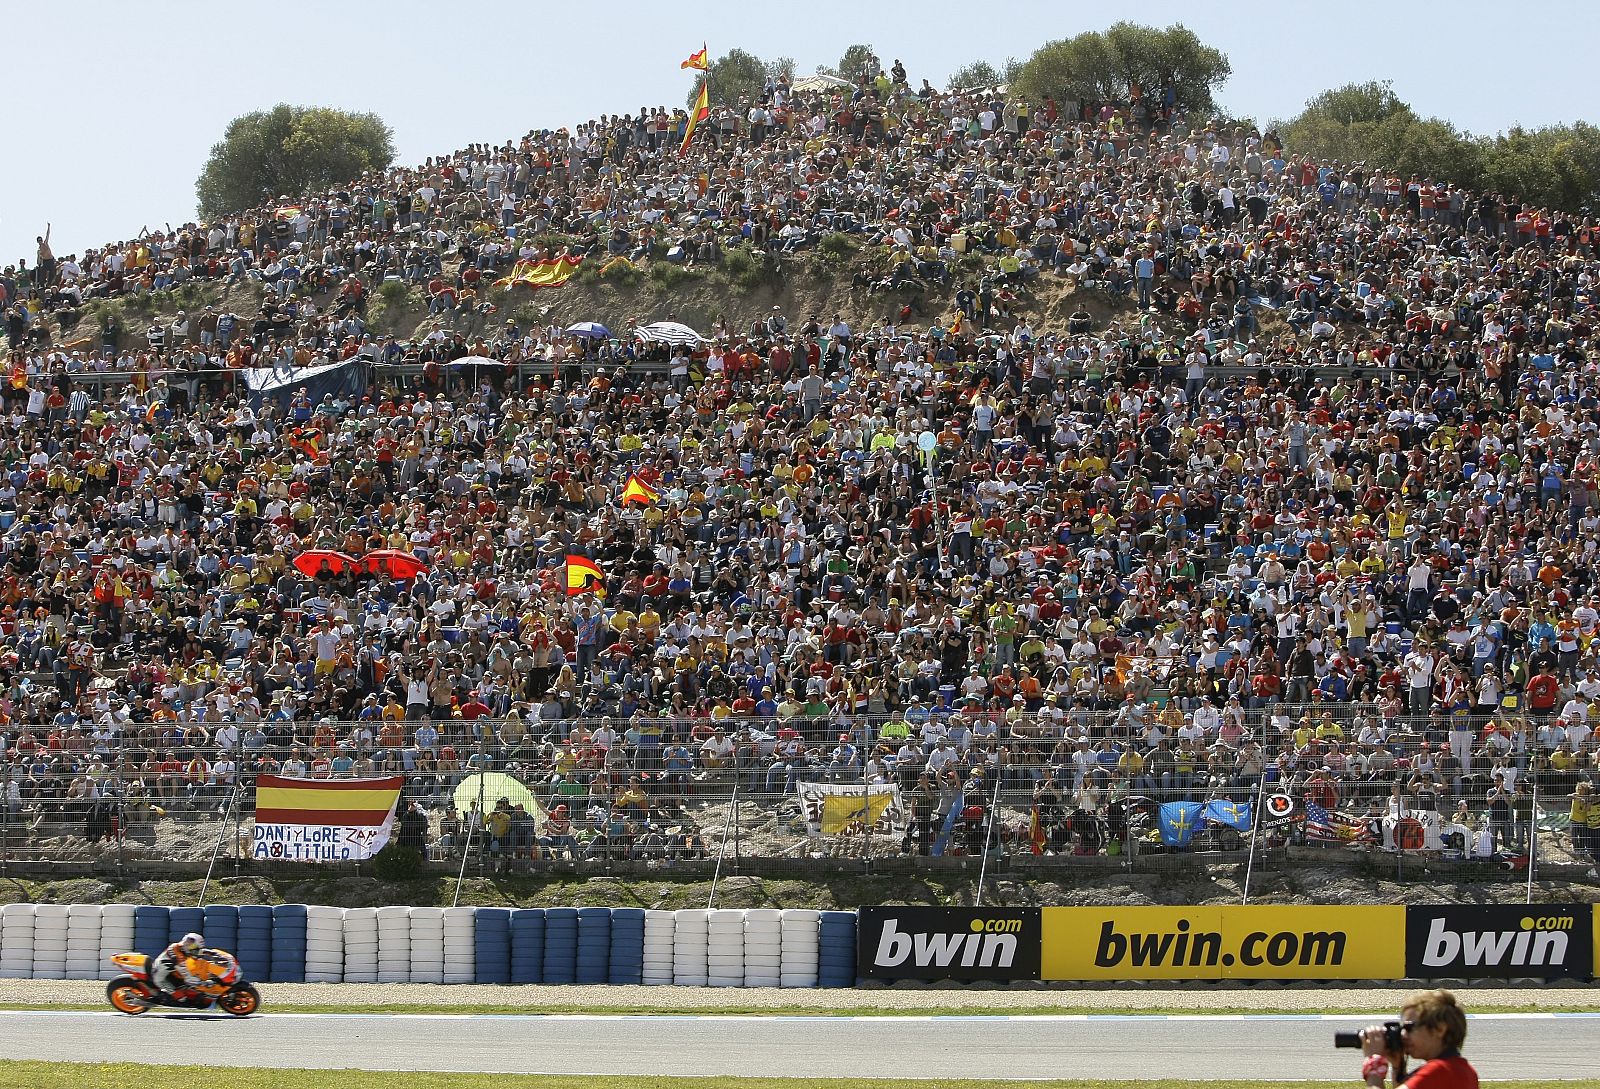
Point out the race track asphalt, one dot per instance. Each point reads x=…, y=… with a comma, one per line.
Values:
x=1267, y=1047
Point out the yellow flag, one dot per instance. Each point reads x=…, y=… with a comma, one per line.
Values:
x=839, y=811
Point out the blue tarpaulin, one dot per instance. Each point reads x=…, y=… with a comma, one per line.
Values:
x=348, y=377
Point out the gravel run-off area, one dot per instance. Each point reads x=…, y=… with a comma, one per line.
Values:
x=1265, y=998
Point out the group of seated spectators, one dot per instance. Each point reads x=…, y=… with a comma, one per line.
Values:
x=1313, y=510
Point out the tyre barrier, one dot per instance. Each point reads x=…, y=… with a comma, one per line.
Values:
x=221, y=928
x=491, y=946
x=527, y=945
x=118, y=925
x=560, y=945
x=295, y=943
x=689, y=947
x=460, y=944
x=324, y=961
x=360, y=945
x=627, y=947
x=149, y=929
x=288, y=956
x=255, y=941
x=593, y=962
x=836, y=949
x=656, y=958
x=181, y=921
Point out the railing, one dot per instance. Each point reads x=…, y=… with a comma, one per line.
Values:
x=658, y=791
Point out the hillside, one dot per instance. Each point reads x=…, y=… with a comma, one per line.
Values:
x=822, y=282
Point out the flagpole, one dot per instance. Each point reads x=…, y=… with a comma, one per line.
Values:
x=988, y=831
x=1255, y=833
x=1533, y=837
x=866, y=816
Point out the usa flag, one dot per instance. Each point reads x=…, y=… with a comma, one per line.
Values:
x=1321, y=824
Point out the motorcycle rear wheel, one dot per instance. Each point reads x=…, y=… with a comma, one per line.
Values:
x=241, y=1000
x=128, y=995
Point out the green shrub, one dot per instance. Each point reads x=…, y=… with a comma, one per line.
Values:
x=623, y=274
x=397, y=863
x=743, y=268
x=393, y=292
x=667, y=275
x=837, y=245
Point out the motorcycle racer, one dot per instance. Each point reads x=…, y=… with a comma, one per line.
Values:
x=169, y=969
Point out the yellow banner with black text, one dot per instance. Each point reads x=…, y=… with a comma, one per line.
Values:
x=1265, y=942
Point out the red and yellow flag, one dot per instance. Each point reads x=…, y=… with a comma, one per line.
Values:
x=955, y=326
x=697, y=60
x=323, y=820
x=701, y=111
x=584, y=576
x=535, y=274
x=637, y=491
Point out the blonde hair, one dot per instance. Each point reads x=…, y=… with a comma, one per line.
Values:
x=1439, y=1008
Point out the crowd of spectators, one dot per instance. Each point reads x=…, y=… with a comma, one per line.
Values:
x=1303, y=494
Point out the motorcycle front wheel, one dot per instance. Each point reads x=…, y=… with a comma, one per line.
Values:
x=241, y=1000
x=129, y=995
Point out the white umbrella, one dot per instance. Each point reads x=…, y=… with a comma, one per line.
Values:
x=669, y=332
x=820, y=82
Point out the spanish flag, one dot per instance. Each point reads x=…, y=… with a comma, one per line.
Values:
x=637, y=491
x=955, y=326
x=307, y=440
x=702, y=110
x=697, y=60
x=1036, y=835
x=533, y=274
x=584, y=576
x=323, y=820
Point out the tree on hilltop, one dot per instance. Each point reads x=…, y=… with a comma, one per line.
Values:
x=1369, y=123
x=741, y=74
x=1110, y=66
x=290, y=150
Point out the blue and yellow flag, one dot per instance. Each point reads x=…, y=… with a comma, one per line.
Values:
x=1178, y=820
x=1233, y=814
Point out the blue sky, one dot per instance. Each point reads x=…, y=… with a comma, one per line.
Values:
x=114, y=106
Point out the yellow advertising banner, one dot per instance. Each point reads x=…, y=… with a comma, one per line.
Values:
x=1266, y=942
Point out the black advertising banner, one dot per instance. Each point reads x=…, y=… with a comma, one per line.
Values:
x=949, y=943
x=1499, y=941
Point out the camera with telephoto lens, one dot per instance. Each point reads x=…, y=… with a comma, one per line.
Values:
x=1392, y=1040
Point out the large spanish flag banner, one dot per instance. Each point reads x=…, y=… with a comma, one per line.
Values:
x=551, y=273
x=323, y=820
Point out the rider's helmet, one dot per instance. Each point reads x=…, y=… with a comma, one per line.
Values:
x=192, y=943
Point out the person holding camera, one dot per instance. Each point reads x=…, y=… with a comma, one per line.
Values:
x=1431, y=1029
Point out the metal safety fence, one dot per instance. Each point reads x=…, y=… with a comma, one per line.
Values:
x=508, y=793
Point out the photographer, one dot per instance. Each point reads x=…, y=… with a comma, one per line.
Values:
x=1431, y=1029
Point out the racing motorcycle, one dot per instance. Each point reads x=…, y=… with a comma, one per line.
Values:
x=221, y=985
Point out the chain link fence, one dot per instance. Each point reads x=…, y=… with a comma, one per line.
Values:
x=651, y=790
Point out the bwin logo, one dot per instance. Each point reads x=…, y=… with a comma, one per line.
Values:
x=991, y=943
x=1540, y=942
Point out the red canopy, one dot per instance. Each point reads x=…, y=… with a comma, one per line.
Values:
x=393, y=562
x=324, y=561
